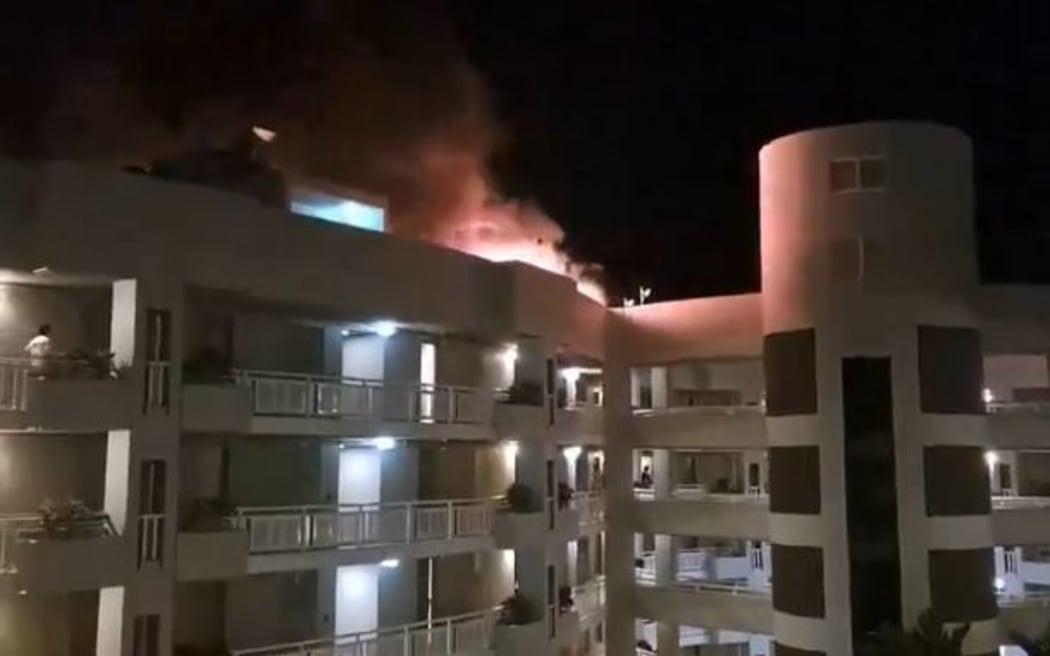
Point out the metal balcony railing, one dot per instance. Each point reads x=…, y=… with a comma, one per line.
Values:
x=699, y=492
x=299, y=528
x=303, y=395
x=589, y=599
x=1028, y=407
x=32, y=527
x=714, y=410
x=591, y=507
x=14, y=377
x=460, y=634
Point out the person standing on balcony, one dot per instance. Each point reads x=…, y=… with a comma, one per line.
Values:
x=39, y=350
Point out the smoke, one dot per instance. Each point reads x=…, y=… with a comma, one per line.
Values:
x=374, y=96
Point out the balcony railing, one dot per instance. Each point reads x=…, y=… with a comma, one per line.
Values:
x=720, y=410
x=591, y=507
x=1029, y=407
x=29, y=528
x=300, y=528
x=691, y=571
x=589, y=598
x=1019, y=503
x=14, y=377
x=301, y=395
x=461, y=634
x=699, y=492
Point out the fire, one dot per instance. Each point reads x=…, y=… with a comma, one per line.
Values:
x=483, y=223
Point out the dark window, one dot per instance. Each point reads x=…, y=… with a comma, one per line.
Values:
x=146, y=635
x=961, y=584
x=843, y=175
x=798, y=580
x=794, y=480
x=873, y=173
x=951, y=370
x=956, y=480
x=789, y=361
x=871, y=498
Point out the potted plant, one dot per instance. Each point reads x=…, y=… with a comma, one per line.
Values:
x=517, y=610
x=208, y=515
x=207, y=366
x=521, y=499
x=525, y=392
x=64, y=519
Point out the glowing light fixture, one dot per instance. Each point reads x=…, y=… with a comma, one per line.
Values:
x=571, y=453
x=511, y=448
x=389, y=563
x=383, y=443
x=987, y=395
x=264, y=134
x=991, y=457
x=1000, y=584
x=509, y=355
x=345, y=332
x=571, y=374
x=384, y=328
x=41, y=270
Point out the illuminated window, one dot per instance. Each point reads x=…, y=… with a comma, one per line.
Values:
x=338, y=209
x=857, y=174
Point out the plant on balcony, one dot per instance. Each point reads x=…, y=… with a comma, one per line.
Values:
x=208, y=515
x=82, y=364
x=517, y=610
x=65, y=519
x=207, y=366
x=929, y=637
x=521, y=499
x=1037, y=646
x=565, y=600
x=525, y=392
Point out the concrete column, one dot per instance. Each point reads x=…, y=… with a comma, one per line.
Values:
x=665, y=559
x=146, y=337
x=666, y=639
x=399, y=587
x=636, y=387
x=660, y=387
x=619, y=561
x=663, y=476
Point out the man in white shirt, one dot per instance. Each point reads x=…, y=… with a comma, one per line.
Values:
x=39, y=349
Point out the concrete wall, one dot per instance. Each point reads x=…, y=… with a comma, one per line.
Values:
x=1033, y=474
x=275, y=472
x=275, y=608
x=200, y=615
x=465, y=583
x=460, y=471
x=725, y=326
x=273, y=344
x=743, y=375
x=36, y=467
x=1005, y=373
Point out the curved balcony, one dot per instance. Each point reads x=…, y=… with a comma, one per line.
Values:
x=461, y=634
x=738, y=427
x=1018, y=425
x=286, y=537
x=1021, y=520
x=691, y=510
x=63, y=394
x=293, y=403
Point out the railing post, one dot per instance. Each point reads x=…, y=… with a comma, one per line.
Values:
x=451, y=404
x=448, y=637
x=409, y=512
x=451, y=519
x=406, y=642
x=304, y=528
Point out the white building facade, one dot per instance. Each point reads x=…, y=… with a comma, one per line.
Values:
x=316, y=439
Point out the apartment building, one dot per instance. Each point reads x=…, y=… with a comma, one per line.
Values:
x=315, y=438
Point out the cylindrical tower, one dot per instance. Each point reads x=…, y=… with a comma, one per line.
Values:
x=879, y=494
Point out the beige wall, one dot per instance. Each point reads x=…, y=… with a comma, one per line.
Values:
x=200, y=612
x=60, y=625
x=275, y=608
x=724, y=326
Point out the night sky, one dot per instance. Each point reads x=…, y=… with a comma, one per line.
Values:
x=634, y=124
x=638, y=125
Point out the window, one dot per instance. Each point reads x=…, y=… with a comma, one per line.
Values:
x=857, y=174
x=146, y=635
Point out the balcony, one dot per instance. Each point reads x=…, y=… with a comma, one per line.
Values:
x=590, y=507
x=59, y=555
x=589, y=602
x=730, y=607
x=691, y=510
x=1019, y=425
x=1021, y=520
x=280, y=537
x=205, y=555
x=63, y=395
x=579, y=424
x=461, y=634
x=701, y=426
